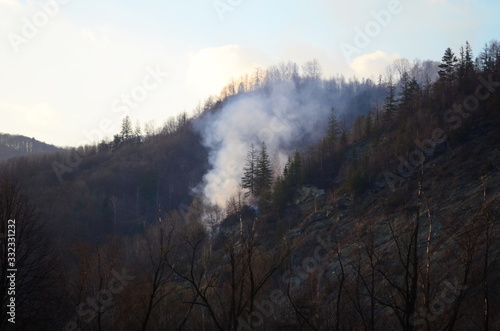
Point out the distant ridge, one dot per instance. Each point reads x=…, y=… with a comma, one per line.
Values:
x=16, y=145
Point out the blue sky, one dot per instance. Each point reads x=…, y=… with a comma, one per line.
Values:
x=62, y=82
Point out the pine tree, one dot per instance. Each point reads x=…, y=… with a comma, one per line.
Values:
x=390, y=106
x=285, y=185
x=263, y=178
x=292, y=174
x=138, y=133
x=357, y=127
x=448, y=66
x=249, y=174
x=409, y=91
x=465, y=67
x=368, y=124
x=485, y=58
x=287, y=169
x=405, y=83
x=127, y=132
x=333, y=129
x=469, y=64
x=344, y=133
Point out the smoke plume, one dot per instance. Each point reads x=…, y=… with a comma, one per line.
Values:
x=290, y=112
x=283, y=116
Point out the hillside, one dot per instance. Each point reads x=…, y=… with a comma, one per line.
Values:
x=297, y=203
x=12, y=146
x=369, y=237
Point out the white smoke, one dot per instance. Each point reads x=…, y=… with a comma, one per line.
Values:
x=282, y=116
x=289, y=113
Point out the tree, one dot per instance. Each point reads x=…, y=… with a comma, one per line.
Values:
x=224, y=287
x=250, y=172
x=405, y=84
x=489, y=59
x=357, y=127
x=465, y=68
x=401, y=290
x=344, y=133
x=258, y=78
x=312, y=70
x=485, y=59
x=333, y=129
x=390, y=106
x=285, y=185
x=127, y=133
x=401, y=66
x=448, y=66
x=32, y=257
x=295, y=170
x=137, y=133
x=368, y=123
x=409, y=91
x=157, y=273
x=209, y=103
x=87, y=285
x=149, y=129
x=263, y=176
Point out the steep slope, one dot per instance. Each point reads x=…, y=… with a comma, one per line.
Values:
x=353, y=252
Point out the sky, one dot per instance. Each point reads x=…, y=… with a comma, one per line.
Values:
x=70, y=70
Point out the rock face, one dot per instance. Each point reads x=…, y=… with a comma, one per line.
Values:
x=345, y=201
x=306, y=194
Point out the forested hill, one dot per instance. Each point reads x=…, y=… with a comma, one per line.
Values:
x=15, y=145
x=287, y=202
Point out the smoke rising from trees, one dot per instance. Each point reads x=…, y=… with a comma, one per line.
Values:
x=283, y=116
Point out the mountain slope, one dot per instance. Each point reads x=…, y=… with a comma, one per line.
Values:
x=383, y=224
x=16, y=145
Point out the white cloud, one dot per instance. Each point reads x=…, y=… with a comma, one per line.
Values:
x=38, y=120
x=373, y=64
x=211, y=68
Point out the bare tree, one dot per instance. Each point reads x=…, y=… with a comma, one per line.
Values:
x=401, y=66
x=157, y=272
x=312, y=70
x=24, y=247
x=225, y=285
x=91, y=285
x=401, y=282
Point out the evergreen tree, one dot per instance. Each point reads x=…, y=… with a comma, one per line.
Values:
x=344, y=133
x=485, y=59
x=448, y=66
x=127, y=132
x=138, y=133
x=117, y=140
x=292, y=174
x=263, y=172
x=286, y=184
x=489, y=59
x=368, y=124
x=333, y=129
x=280, y=194
x=405, y=83
x=465, y=67
x=390, y=106
x=410, y=90
x=287, y=169
x=357, y=127
x=250, y=173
